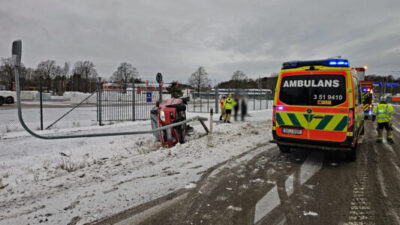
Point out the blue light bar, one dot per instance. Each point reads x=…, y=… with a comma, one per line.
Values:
x=338, y=62
x=332, y=63
x=323, y=62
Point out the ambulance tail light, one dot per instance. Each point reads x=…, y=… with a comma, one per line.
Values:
x=350, y=121
x=273, y=116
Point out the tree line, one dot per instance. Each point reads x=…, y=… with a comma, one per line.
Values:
x=199, y=81
x=58, y=79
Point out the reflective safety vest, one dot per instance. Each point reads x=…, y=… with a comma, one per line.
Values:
x=384, y=113
x=229, y=103
x=221, y=105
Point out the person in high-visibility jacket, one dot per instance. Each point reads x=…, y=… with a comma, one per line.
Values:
x=221, y=106
x=228, y=105
x=383, y=113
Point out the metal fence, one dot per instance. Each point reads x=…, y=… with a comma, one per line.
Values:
x=256, y=99
x=125, y=105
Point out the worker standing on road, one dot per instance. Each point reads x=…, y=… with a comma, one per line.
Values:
x=243, y=109
x=228, y=105
x=221, y=106
x=236, y=107
x=384, y=113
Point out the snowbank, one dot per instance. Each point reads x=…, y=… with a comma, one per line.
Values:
x=91, y=178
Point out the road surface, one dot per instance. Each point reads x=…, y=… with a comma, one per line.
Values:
x=304, y=187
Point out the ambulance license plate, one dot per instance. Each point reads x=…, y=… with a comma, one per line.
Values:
x=292, y=131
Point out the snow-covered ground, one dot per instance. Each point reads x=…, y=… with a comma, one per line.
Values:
x=91, y=178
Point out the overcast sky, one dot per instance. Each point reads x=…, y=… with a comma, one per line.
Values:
x=176, y=37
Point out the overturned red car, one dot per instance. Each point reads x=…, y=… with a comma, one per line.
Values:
x=168, y=112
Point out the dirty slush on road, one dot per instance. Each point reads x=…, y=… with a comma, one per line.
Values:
x=299, y=188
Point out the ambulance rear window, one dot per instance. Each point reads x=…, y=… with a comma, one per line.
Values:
x=313, y=90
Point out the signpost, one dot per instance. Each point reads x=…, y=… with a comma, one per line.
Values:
x=159, y=80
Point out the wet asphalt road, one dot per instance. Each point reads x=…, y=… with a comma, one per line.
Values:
x=304, y=187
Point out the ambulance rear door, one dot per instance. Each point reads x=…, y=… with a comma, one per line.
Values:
x=314, y=102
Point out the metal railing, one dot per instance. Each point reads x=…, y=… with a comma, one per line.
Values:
x=125, y=105
x=255, y=99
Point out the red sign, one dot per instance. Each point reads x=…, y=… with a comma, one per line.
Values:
x=367, y=83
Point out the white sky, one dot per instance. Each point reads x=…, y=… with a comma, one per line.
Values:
x=176, y=37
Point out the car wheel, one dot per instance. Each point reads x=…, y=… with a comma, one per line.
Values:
x=9, y=100
x=1, y=100
x=284, y=149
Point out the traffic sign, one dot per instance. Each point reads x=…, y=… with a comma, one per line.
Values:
x=159, y=78
x=392, y=84
x=378, y=84
x=148, y=96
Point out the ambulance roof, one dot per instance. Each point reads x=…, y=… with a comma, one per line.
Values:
x=323, y=62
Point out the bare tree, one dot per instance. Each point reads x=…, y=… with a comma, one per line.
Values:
x=65, y=69
x=239, y=78
x=125, y=73
x=48, y=70
x=85, y=69
x=199, y=79
x=6, y=75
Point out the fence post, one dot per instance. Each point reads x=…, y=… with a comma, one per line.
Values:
x=201, y=102
x=99, y=101
x=160, y=87
x=41, y=102
x=216, y=100
x=133, y=100
x=208, y=102
x=254, y=100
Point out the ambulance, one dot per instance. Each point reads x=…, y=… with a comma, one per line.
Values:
x=317, y=105
x=367, y=95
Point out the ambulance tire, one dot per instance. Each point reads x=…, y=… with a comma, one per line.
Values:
x=352, y=154
x=284, y=149
x=1, y=100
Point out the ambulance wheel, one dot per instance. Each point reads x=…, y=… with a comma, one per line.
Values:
x=352, y=154
x=9, y=100
x=284, y=149
x=1, y=100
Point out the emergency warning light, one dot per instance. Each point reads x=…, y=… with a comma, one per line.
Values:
x=364, y=89
x=324, y=62
x=337, y=62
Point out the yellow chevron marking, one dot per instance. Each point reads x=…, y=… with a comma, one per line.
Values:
x=302, y=120
x=314, y=123
x=286, y=119
x=334, y=122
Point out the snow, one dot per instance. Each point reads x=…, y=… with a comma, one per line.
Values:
x=85, y=179
x=310, y=213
